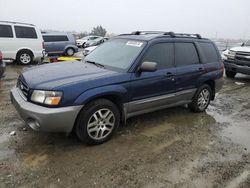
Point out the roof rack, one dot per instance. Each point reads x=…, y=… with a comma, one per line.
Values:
x=17, y=23
x=170, y=33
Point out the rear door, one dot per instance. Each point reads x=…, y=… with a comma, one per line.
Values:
x=55, y=43
x=150, y=89
x=189, y=68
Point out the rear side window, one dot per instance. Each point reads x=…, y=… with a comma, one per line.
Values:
x=162, y=54
x=25, y=32
x=55, y=38
x=209, y=51
x=6, y=31
x=185, y=54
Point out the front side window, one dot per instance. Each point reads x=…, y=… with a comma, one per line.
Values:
x=209, y=52
x=55, y=38
x=25, y=32
x=6, y=31
x=116, y=53
x=185, y=54
x=162, y=54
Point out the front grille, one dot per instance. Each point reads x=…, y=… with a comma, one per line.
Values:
x=24, y=88
x=242, y=58
x=243, y=53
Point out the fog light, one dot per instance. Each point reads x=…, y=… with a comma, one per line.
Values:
x=34, y=124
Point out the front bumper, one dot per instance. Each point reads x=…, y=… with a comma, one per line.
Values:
x=42, y=118
x=231, y=65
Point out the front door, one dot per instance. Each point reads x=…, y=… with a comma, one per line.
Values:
x=150, y=90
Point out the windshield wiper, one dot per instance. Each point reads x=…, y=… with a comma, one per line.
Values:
x=95, y=63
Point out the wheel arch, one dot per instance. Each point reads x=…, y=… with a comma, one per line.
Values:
x=117, y=97
x=211, y=83
x=25, y=49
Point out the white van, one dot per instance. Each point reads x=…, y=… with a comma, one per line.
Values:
x=21, y=42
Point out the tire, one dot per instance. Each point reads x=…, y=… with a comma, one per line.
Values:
x=83, y=45
x=70, y=51
x=93, y=129
x=24, y=57
x=201, y=99
x=230, y=74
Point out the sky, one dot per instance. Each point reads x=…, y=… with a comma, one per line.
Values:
x=210, y=18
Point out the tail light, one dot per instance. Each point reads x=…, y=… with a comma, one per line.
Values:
x=43, y=45
x=1, y=55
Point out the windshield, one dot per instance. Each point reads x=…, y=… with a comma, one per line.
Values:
x=116, y=53
x=247, y=43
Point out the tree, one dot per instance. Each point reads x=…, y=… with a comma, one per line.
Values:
x=99, y=31
x=83, y=34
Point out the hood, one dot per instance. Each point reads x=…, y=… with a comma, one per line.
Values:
x=81, y=40
x=241, y=49
x=57, y=74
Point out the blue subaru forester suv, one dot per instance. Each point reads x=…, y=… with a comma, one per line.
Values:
x=129, y=75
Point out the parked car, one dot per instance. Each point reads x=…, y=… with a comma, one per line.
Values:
x=237, y=60
x=21, y=42
x=2, y=65
x=88, y=50
x=95, y=42
x=81, y=42
x=147, y=72
x=60, y=44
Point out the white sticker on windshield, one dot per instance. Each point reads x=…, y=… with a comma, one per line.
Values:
x=134, y=43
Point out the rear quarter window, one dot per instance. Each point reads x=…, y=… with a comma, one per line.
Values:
x=6, y=31
x=25, y=32
x=55, y=38
x=209, y=52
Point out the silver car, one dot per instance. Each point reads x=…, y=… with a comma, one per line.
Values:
x=60, y=44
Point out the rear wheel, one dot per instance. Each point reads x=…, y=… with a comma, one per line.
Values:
x=97, y=122
x=70, y=52
x=201, y=99
x=230, y=74
x=24, y=57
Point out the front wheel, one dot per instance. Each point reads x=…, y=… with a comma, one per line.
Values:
x=201, y=99
x=97, y=122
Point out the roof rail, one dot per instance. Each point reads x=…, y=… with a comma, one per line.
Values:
x=147, y=32
x=17, y=23
x=172, y=34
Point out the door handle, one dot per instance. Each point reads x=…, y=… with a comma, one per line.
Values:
x=169, y=74
x=201, y=69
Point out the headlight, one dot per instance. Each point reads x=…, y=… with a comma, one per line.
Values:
x=233, y=53
x=46, y=97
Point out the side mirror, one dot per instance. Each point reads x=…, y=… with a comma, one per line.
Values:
x=243, y=44
x=148, y=66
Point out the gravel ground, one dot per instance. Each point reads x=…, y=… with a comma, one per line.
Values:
x=168, y=148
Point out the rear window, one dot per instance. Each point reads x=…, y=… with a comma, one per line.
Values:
x=185, y=54
x=55, y=38
x=6, y=31
x=25, y=32
x=209, y=51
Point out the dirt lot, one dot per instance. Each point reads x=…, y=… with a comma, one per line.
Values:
x=169, y=148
